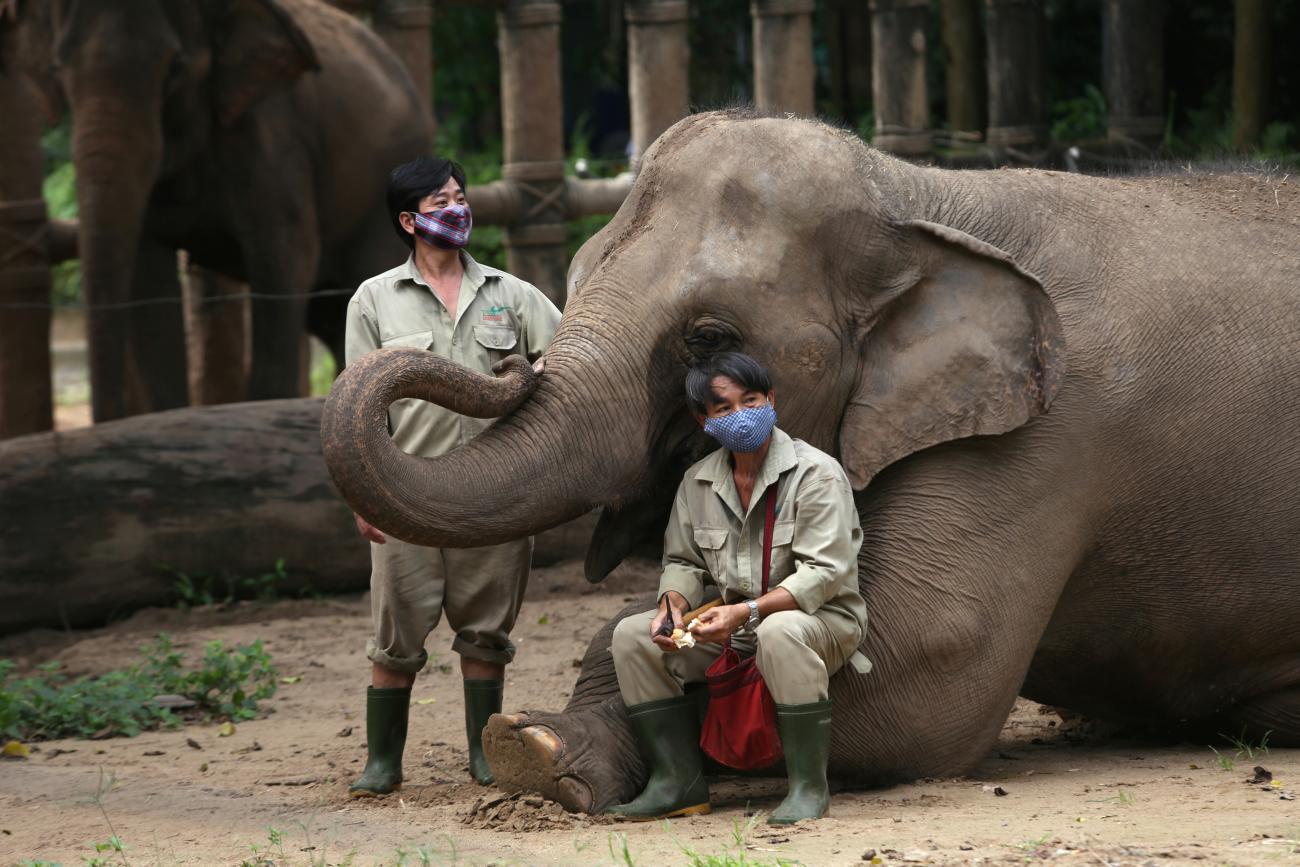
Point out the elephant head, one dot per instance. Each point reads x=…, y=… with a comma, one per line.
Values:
x=780, y=238
x=150, y=84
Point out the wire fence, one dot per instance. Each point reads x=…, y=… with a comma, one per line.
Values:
x=152, y=302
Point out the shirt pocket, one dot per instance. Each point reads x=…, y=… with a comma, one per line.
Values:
x=782, y=553
x=712, y=544
x=498, y=339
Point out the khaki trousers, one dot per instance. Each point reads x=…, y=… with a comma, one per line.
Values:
x=796, y=653
x=480, y=589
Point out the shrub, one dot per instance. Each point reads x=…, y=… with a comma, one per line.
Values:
x=227, y=684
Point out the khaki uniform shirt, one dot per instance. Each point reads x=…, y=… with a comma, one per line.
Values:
x=711, y=539
x=497, y=315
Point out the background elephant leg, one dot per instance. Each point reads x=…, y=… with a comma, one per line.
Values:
x=327, y=320
x=283, y=263
x=584, y=758
x=156, y=363
x=217, y=325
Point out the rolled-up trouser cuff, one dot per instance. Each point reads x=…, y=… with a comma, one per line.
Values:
x=499, y=656
x=406, y=664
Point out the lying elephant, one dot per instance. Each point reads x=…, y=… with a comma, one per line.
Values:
x=1133, y=554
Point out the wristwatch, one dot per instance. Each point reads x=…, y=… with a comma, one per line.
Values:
x=752, y=623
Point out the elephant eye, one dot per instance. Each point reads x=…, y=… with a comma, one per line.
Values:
x=708, y=337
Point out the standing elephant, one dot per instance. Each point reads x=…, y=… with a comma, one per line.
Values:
x=255, y=134
x=1134, y=553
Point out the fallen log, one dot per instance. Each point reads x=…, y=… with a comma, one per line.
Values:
x=98, y=522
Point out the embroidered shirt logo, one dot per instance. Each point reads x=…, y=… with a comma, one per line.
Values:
x=495, y=314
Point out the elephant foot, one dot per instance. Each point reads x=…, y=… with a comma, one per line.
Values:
x=584, y=760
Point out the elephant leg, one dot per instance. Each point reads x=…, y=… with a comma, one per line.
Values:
x=966, y=550
x=282, y=256
x=584, y=758
x=1273, y=717
x=156, y=358
x=327, y=320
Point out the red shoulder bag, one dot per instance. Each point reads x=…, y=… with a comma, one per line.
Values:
x=739, y=728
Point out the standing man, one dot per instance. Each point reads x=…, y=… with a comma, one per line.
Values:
x=441, y=300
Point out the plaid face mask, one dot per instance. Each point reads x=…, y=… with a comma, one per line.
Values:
x=743, y=431
x=447, y=227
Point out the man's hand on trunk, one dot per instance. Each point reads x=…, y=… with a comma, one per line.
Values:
x=368, y=530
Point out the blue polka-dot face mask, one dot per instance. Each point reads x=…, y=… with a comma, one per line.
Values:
x=745, y=430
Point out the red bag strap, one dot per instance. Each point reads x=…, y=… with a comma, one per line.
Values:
x=769, y=520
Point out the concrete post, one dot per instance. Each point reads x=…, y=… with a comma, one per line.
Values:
x=783, y=59
x=528, y=33
x=1133, y=65
x=407, y=27
x=26, y=391
x=658, y=67
x=1251, y=61
x=1016, y=34
x=898, y=76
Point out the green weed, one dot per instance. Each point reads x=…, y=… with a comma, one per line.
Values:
x=1246, y=748
x=202, y=588
x=1224, y=762
x=227, y=684
x=735, y=855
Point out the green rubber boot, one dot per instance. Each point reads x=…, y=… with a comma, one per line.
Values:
x=482, y=699
x=669, y=734
x=386, y=713
x=806, y=740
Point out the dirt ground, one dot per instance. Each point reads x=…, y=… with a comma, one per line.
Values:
x=1070, y=797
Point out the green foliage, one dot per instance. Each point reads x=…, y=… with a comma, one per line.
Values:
x=1080, y=118
x=227, y=684
x=60, y=192
x=206, y=588
x=323, y=371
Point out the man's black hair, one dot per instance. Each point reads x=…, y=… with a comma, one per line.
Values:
x=410, y=182
x=741, y=369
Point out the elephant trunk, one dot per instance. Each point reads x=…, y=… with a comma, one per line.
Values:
x=117, y=148
x=538, y=466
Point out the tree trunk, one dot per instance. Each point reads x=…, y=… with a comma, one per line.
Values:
x=963, y=40
x=783, y=56
x=1016, y=38
x=898, y=74
x=26, y=396
x=97, y=522
x=407, y=27
x=1250, y=65
x=1133, y=63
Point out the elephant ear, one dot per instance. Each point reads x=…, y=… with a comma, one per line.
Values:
x=970, y=345
x=258, y=48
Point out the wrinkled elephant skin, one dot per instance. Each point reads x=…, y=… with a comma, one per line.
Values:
x=1067, y=405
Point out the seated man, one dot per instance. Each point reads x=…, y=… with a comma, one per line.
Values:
x=803, y=629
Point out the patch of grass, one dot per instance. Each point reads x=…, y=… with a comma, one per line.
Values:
x=1224, y=762
x=734, y=855
x=227, y=684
